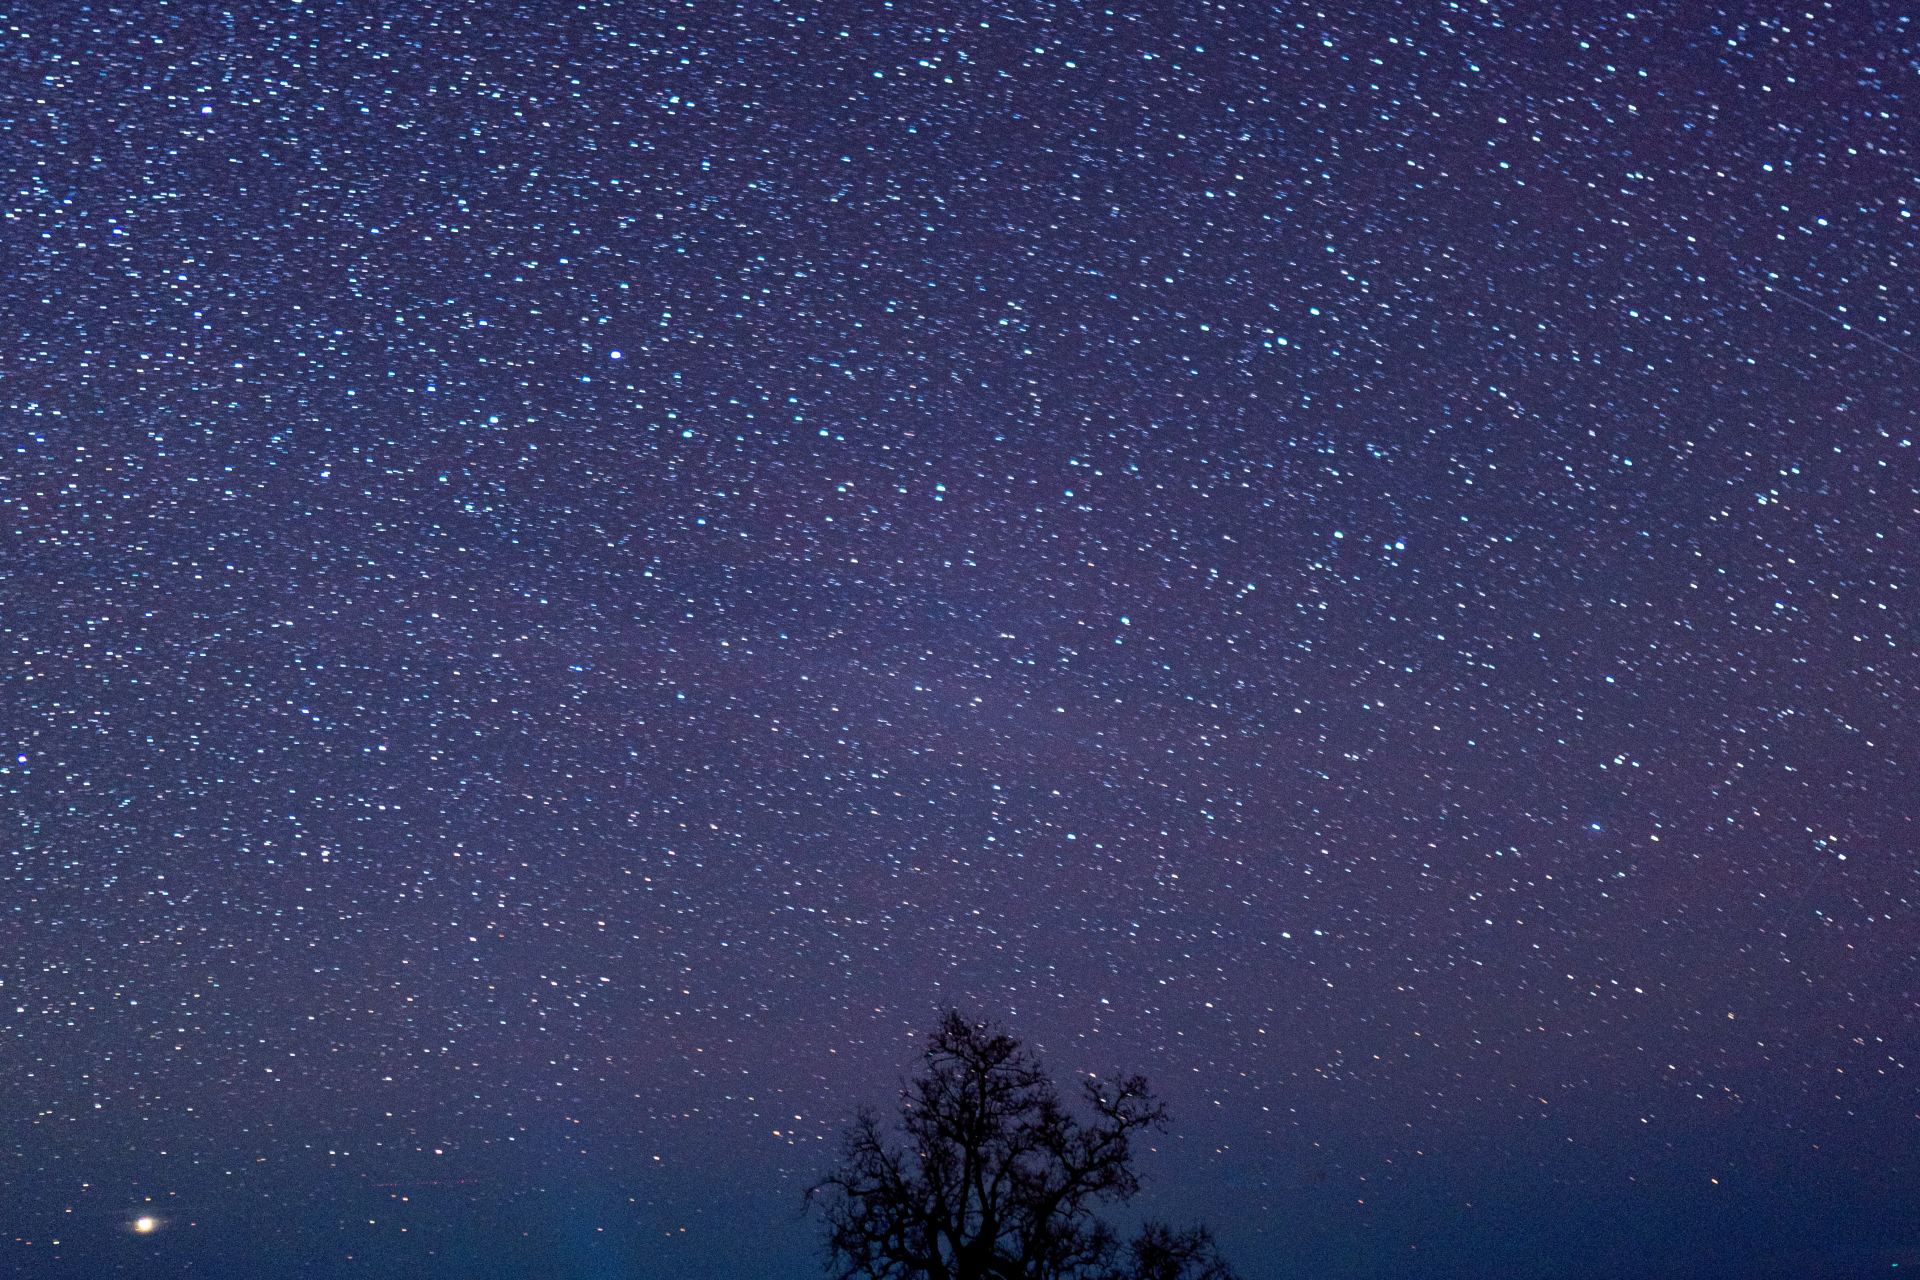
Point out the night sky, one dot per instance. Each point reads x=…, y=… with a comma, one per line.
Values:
x=573, y=573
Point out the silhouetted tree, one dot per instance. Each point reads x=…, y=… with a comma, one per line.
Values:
x=992, y=1177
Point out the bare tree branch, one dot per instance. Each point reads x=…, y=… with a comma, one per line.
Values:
x=990, y=1176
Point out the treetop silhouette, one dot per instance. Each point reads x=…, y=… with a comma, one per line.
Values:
x=989, y=1175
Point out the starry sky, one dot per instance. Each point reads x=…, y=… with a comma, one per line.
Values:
x=574, y=572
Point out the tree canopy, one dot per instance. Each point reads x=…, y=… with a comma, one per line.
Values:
x=989, y=1175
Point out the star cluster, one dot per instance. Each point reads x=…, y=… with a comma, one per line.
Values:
x=574, y=572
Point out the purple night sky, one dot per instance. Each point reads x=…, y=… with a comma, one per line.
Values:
x=574, y=572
